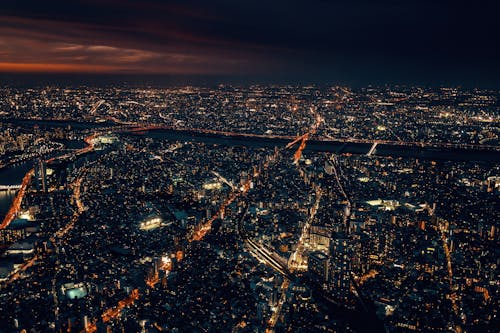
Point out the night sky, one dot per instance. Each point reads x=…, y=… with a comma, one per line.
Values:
x=424, y=41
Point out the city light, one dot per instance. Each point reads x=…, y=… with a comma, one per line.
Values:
x=273, y=208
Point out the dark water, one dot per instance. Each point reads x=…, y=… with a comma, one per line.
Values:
x=6, y=199
x=455, y=154
x=12, y=175
x=312, y=145
x=72, y=144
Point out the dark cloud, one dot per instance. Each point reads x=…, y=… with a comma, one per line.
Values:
x=389, y=40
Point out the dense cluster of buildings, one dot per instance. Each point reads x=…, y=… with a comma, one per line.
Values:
x=144, y=233
x=400, y=113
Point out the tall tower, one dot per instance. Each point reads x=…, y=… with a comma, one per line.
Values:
x=318, y=266
x=340, y=267
x=40, y=175
x=43, y=175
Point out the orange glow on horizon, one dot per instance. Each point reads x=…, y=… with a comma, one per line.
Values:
x=12, y=67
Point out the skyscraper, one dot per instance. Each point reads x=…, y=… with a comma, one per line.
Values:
x=318, y=266
x=40, y=175
x=43, y=179
x=340, y=267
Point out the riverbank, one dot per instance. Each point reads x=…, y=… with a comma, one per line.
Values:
x=11, y=175
x=339, y=146
x=6, y=216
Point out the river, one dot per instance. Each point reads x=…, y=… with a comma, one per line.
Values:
x=12, y=175
x=338, y=146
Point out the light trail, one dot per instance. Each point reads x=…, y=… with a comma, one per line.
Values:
x=80, y=208
x=96, y=106
x=453, y=295
x=271, y=323
x=303, y=138
x=89, y=140
x=115, y=312
x=370, y=275
x=297, y=261
x=59, y=238
x=23, y=268
x=204, y=228
x=16, y=204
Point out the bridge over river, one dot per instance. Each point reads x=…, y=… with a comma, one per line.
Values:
x=437, y=151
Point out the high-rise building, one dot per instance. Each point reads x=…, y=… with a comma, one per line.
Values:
x=41, y=175
x=273, y=298
x=318, y=266
x=340, y=267
x=319, y=237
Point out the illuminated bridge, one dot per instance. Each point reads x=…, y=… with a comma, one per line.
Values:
x=370, y=147
x=9, y=187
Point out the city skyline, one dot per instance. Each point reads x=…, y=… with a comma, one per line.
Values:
x=249, y=166
x=263, y=208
